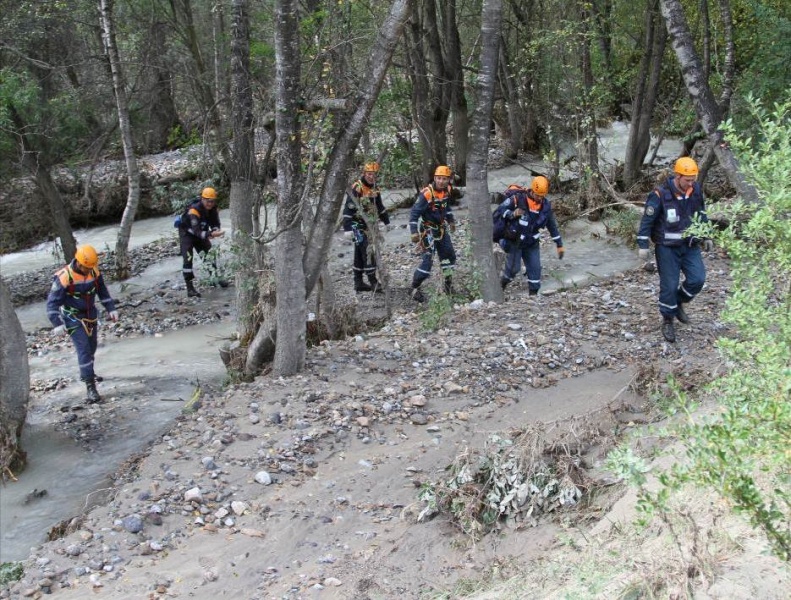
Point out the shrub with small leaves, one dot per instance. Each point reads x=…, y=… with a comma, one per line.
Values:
x=742, y=452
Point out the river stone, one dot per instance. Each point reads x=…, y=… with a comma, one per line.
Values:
x=193, y=495
x=133, y=523
x=263, y=478
x=419, y=419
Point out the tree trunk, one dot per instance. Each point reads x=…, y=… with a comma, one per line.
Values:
x=604, y=20
x=420, y=104
x=458, y=101
x=289, y=275
x=242, y=171
x=132, y=170
x=706, y=108
x=30, y=157
x=513, y=104
x=589, y=156
x=200, y=76
x=728, y=74
x=14, y=387
x=645, y=94
x=440, y=79
x=477, y=187
x=161, y=117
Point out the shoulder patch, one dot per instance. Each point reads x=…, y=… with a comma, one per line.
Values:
x=650, y=210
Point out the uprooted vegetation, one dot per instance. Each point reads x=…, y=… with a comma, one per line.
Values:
x=516, y=477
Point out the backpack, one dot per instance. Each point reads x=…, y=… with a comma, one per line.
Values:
x=177, y=222
x=501, y=228
x=499, y=225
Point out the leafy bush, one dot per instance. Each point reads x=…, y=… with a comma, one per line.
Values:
x=10, y=572
x=742, y=452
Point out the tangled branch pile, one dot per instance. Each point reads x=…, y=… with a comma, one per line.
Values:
x=513, y=478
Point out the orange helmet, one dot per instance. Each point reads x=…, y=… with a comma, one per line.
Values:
x=540, y=186
x=443, y=171
x=209, y=193
x=686, y=166
x=371, y=166
x=87, y=256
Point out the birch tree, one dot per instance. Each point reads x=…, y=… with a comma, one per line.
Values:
x=702, y=97
x=124, y=123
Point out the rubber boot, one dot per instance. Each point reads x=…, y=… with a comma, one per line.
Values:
x=504, y=282
x=191, y=291
x=681, y=314
x=93, y=395
x=448, y=285
x=418, y=295
x=532, y=292
x=359, y=284
x=668, y=331
x=375, y=285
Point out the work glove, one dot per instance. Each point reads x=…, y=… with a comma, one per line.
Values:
x=415, y=238
x=561, y=252
x=348, y=235
x=643, y=253
x=707, y=245
x=217, y=233
x=59, y=330
x=452, y=227
x=113, y=315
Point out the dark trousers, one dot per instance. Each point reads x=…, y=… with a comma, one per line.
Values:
x=84, y=336
x=362, y=264
x=530, y=255
x=190, y=243
x=671, y=261
x=447, y=256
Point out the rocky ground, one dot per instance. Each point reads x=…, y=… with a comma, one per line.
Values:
x=307, y=487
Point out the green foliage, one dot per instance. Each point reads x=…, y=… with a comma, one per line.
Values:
x=763, y=41
x=439, y=307
x=214, y=267
x=622, y=223
x=624, y=463
x=10, y=572
x=178, y=138
x=742, y=452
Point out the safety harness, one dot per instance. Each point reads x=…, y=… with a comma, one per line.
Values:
x=71, y=312
x=430, y=231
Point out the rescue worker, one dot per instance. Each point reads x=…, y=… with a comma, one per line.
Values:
x=71, y=308
x=365, y=195
x=669, y=211
x=527, y=212
x=431, y=222
x=199, y=224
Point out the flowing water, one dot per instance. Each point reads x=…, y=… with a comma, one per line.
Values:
x=148, y=378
